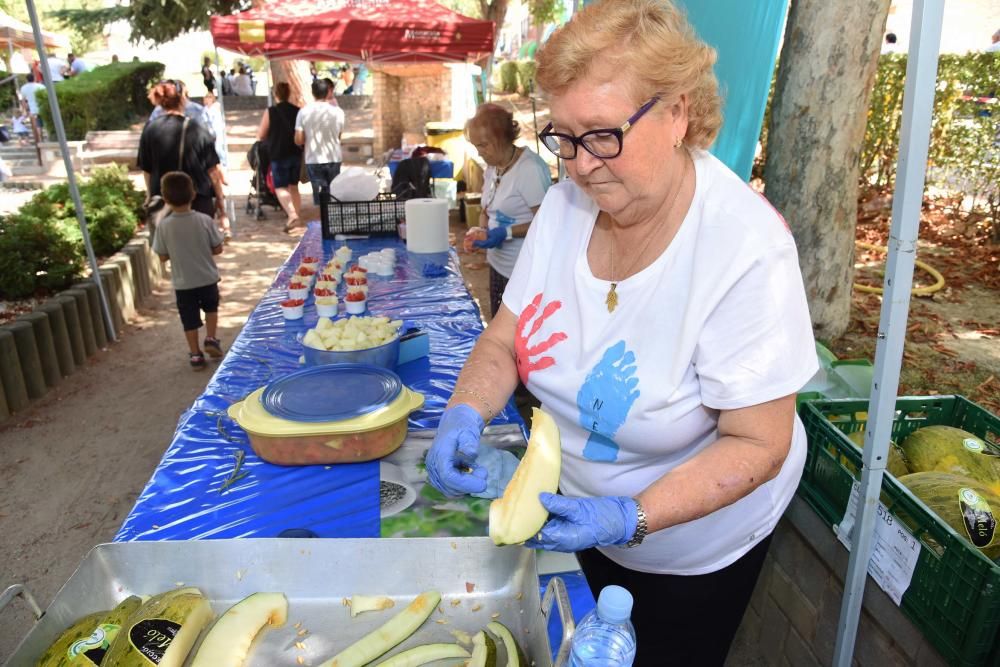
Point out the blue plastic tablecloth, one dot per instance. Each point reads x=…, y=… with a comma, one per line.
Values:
x=185, y=498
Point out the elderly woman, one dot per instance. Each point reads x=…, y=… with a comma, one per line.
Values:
x=657, y=311
x=277, y=131
x=514, y=185
x=175, y=142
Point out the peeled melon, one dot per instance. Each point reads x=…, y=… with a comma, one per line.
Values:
x=948, y=449
x=228, y=642
x=519, y=514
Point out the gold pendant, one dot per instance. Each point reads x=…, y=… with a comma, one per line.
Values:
x=612, y=298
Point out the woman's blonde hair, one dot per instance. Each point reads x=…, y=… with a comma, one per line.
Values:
x=650, y=39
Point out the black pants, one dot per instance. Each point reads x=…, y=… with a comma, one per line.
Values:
x=497, y=285
x=204, y=204
x=681, y=620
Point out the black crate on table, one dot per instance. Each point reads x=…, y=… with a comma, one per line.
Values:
x=954, y=595
x=381, y=215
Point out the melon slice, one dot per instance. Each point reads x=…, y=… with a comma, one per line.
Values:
x=421, y=655
x=393, y=632
x=519, y=514
x=515, y=656
x=359, y=604
x=484, y=651
x=228, y=642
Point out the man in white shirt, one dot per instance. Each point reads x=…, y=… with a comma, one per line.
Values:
x=29, y=91
x=995, y=46
x=56, y=68
x=77, y=66
x=318, y=127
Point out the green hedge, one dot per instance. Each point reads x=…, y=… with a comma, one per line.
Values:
x=526, y=77
x=111, y=97
x=964, y=154
x=41, y=245
x=8, y=100
x=508, y=76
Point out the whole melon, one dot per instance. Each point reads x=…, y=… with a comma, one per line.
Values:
x=967, y=506
x=896, y=465
x=950, y=449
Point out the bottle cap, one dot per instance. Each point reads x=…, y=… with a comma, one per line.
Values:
x=614, y=604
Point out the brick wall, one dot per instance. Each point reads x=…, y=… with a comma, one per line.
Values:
x=793, y=615
x=406, y=97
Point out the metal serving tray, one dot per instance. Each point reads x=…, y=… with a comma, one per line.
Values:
x=315, y=575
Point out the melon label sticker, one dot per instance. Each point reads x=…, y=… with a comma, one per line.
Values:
x=978, y=446
x=152, y=637
x=93, y=648
x=894, y=550
x=980, y=524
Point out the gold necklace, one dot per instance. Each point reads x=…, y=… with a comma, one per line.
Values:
x=611, y=300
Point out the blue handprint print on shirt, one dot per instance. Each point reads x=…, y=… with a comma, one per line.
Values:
x=605, y=399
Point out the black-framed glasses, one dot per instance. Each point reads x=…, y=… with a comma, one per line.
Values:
x=604, y=144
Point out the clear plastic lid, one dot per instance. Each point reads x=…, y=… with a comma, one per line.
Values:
x=614, y=604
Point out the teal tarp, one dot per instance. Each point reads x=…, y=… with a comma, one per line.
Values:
x=746, y=36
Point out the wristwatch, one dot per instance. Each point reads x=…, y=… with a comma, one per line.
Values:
x=510, y=232
x=641, y=527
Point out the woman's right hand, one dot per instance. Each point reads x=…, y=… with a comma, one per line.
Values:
x=474, y=234
x=451, y=460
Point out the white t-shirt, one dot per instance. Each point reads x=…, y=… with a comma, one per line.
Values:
x=56, y=67
x=509, y=201
x=322, y=123
x=28, y=92
x=719, y=321
x=995, y=46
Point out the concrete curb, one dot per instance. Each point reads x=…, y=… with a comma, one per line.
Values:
x=96, y=314
x=39, y=348
x=10, y=373
x=86, y=322
x=111, y=281
x=46, y=348
x=27, y=354
x=72, y=316
x=60, y=336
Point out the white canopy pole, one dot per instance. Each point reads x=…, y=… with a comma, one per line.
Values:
x=914, y=136
x=222, y=106
x=74, y=190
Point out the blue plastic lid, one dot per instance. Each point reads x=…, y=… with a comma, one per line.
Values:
x=614, y=604
x=331, y=393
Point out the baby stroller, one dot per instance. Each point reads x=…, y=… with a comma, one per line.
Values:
x=261, y=186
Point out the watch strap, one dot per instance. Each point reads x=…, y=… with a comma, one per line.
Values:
x=641, y=527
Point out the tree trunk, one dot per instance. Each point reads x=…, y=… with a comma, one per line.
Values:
x=818, y=116
x=296, y=73
x=496, y=11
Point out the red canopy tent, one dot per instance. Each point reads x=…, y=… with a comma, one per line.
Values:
x=377, y=31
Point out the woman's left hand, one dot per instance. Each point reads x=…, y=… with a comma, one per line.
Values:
x=581, y=523
x=494, y=238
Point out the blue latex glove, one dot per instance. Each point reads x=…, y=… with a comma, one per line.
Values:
x=454, y=452
x=500, y=466
x=494, y=238
x=580, y=523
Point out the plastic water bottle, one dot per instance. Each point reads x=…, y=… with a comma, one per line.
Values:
x=605, y=636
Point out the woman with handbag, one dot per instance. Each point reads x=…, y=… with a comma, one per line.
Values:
x=172, y=142
x=277, y=131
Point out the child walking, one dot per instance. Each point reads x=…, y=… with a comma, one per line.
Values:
x=189, y=239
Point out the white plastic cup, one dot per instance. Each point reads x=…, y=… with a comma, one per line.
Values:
x=326, y=309
x=298, y=293
x=385, y=268
x=293, y=312
x=356, y=307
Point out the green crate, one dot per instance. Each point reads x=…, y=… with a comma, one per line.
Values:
x=954, y=596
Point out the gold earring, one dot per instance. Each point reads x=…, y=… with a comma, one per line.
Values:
x=679, y=142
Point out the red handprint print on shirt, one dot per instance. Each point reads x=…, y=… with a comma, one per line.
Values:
x=525, y=364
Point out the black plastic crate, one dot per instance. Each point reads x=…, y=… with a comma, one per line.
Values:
x=381, y=215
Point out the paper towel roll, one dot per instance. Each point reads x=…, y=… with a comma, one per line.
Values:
x=427, y=225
